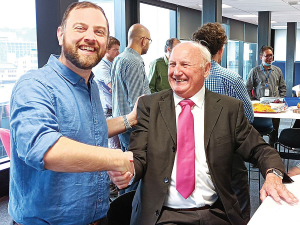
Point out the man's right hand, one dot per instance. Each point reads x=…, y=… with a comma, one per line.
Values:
x=123, y=177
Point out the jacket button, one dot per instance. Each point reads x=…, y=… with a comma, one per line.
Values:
x=166, y=180
x=157, y=213
x=174, y=149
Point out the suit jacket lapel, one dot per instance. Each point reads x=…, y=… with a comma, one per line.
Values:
x=167, y=109
x=211, y=114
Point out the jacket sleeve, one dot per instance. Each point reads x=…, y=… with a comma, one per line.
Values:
x=139, y=140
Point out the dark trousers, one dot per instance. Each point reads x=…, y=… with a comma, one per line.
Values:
x=102, y=221
x=274, y=134
x=215, y=215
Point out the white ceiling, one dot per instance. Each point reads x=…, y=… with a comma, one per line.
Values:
x=281, y=11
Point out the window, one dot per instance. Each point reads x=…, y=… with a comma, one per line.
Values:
x=18, y=32
x=157, y=21
x=249, y=58
x=233, y=56
x=108, y=7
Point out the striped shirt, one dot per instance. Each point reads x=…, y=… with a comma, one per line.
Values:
x=259, y=77
x=129, y=81
x=227, y=82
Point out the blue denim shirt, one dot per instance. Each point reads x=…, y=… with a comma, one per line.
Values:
x=46, y=104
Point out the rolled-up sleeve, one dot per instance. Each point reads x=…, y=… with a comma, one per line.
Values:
x=34, y=125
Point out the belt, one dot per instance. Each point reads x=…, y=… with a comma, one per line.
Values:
x=189, y=209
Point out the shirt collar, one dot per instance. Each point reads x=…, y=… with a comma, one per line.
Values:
x=64, y=71
x=134, y=52
x=166, y=60
x=198, y=98
x=107, y=61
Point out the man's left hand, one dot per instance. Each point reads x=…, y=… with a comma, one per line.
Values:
x=273, y=187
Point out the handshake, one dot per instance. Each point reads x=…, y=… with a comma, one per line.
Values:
x=125, y=171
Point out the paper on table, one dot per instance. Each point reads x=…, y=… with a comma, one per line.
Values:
x=273, y=213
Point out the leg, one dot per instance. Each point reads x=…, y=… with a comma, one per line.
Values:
x=274, y=133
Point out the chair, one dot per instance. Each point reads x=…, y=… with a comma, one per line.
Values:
x=5, y=138
x=263, y=125
x=288, y=144
x=120, y=209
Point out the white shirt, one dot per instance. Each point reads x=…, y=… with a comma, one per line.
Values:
x=204, y=193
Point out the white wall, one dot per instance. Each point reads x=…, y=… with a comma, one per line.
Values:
x=280, y=45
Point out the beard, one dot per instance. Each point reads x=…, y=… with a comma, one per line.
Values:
x=85, y=62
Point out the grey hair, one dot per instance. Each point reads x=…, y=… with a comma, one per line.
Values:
x=204, y=52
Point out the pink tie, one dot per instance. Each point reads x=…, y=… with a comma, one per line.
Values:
x=185, y=174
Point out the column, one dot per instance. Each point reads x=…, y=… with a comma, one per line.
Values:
x=211, y=11
x=264, y=30
x=291, y=39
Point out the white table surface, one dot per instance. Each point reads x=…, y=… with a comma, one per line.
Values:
x=272, y=213
x=287, y=114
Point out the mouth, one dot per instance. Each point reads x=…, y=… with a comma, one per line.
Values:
x=178, y=80
x=87, y=48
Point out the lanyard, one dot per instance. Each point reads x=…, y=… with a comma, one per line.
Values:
x=267, y=76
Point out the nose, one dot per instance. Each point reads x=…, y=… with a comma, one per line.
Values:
x=177, y=70
x=90, y=36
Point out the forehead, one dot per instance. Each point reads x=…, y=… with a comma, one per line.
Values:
x=185, y=53
x=268, y=51
x=89, y=16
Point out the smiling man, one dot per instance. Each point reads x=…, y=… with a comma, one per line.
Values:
x=183, y=149
x=59, y=134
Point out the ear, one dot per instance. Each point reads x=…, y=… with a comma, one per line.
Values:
x=60, y=35
x=207, y=69
x=169, y=50
x=221, y=51
x=260, y=56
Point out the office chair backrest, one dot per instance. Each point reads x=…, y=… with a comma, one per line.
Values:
x=5, y=138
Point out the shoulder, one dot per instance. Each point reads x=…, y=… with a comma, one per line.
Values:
x=224, y=100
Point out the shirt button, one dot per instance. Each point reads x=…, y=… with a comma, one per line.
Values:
x=99, y=200
x=157, y=213
x=81, y=80
x=95, y=121
x=99, y=173
x=166, y=180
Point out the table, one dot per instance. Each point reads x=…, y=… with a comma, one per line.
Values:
x=287, y=114
x=270, y=212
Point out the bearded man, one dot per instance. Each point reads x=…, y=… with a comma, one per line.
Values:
x=59, y=134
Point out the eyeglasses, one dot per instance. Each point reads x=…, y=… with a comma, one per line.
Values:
x=268, y=56
x=149, y=39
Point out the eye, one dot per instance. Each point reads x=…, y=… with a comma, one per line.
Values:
x=100, y=32
x=185, y=65
x=79, y=28
x=172, y=64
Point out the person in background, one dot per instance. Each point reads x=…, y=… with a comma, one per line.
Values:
x=227, y=82
x=128, y=76
x=266, y=80
x=183, y=147
x=103, y=79
x=59, y=134
x=158, y=73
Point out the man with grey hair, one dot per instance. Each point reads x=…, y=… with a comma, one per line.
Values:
x=183, y=147
x=158, y=73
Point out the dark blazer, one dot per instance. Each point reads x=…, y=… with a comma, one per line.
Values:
x=226, y=130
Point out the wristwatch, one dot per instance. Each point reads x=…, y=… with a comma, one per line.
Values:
x=277, y=172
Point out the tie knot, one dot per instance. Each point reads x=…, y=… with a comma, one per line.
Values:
x=185, y=102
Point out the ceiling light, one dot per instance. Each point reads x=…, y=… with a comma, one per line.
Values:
x=272, y=21
x=293, y=3
x=280, y=27
x=244, y=16
x=224, y=6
